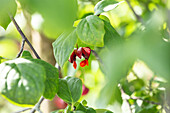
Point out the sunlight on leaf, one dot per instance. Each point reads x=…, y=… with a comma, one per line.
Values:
x=22, y=81
x=7, y=7
x=90, y=30
x=105, y=5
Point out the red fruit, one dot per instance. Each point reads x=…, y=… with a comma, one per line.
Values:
x=59, y=103
x=84, y=63
x=74, y=64
x=73, y=56
x=86, y=52
x=79, y=52
x=85, y=90
x=82, y=51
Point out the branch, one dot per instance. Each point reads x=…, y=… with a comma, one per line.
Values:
x=25, y=109
x=37, y=106
x=137, y=16
x=97, y=56
x=22, y=48
x=23, y=36
x=148, y=101
x=59, y=70
x=125, y=97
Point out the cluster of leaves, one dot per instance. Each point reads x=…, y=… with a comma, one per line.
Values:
x=28, y=76
x=24, y=80
x=81, y=107
x=145, y=97
x=91, y=31
x=24, y=77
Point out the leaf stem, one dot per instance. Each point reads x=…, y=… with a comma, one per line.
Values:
x=23, y=36
x=60, y=73
x=97, y=56
x=25, y=109
x=134, y=73
x=22, y=48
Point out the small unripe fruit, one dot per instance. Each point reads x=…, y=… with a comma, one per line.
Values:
x=85, y=90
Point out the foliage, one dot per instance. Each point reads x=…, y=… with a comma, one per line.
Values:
x=17, y=82
x=118, y=45
x=7, y=7
x=70, y=89
x=64, y=46
x=91, y=31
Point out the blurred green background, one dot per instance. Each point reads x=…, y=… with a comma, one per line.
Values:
x=140, y=62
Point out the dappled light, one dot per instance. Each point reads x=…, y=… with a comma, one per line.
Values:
x=85, y=56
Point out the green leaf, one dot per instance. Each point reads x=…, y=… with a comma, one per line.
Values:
x=58, y=15
x=64, y=46
x=82, y=44
x=67, y=109
x=91, y=31
x=70, y=89
x=26, y=54
x=103, y=17
x=52, y=75
x=22, y=81
x=84, y=102
x=149, y=109
x=1, y=59
x=78, y=112
x=105, y=5
x=7, y=7
x=111, y=36
x=103, y=111
x=80, y=107
x=116, y=96
x=52, y=78
x=90, y=110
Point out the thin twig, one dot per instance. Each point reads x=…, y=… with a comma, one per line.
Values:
x=23, y=36
x=25, y=109
x=137, y=16
x=134, y=74
x=60, y=73
x=124, y=96
x=97, y=56
x=37, y=106
x=148, y=101
x=22, y=48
